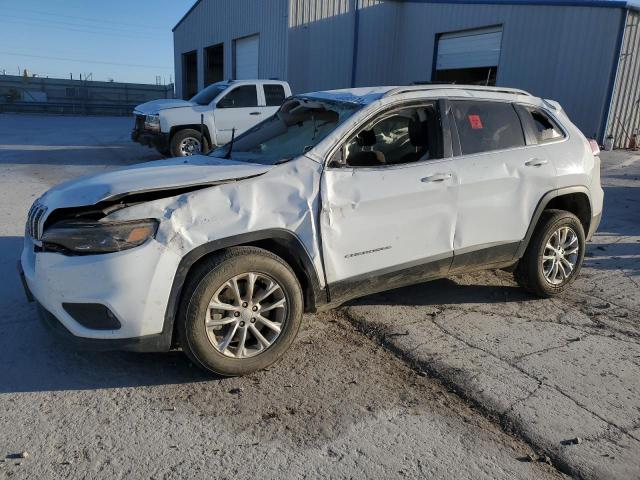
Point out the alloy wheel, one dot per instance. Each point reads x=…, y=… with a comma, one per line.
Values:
x=246, y=315
x=560, y=255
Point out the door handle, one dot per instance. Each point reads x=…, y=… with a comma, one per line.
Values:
x=536, y=162
x=255, y=113
x=436, y=177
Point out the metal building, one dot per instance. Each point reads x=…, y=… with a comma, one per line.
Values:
x=583, y=53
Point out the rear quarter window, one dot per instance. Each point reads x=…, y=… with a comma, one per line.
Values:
x=544, y=128
x=274, y=95
x=487, y=126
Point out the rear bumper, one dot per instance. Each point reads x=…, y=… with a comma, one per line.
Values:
x=593, y=227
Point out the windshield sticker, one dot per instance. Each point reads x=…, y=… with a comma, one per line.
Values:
x=476, y=122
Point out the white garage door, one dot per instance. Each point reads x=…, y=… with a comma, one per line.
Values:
x=246, y=60
x=469, y=49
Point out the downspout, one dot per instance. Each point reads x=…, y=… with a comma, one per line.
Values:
x=356, y=28
x=614, y=78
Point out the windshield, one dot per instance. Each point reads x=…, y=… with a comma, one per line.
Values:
x=206, y=96
x=299, y=125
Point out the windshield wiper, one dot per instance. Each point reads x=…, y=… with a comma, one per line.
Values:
x=233, y=137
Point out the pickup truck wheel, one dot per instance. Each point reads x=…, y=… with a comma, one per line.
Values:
x=240, y=312
x=554, y=256
x=185, y=143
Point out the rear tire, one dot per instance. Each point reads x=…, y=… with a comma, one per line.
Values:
x=228, y=324
x=185, y=143
x=554, y=256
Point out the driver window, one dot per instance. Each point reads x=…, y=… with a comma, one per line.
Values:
x=405, y=136
x=245, y=96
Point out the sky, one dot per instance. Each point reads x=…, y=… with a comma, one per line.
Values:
x=123, y=40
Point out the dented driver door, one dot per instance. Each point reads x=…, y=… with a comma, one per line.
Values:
x=386, y=226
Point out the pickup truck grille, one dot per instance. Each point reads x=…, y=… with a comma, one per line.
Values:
x=34, y=220
x=139, y=123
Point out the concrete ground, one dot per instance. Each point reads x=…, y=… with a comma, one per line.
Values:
x=341, y=404
x=564, y=373
x=338, y=406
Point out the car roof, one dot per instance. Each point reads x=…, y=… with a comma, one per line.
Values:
x=257, y=80
x=368, y=95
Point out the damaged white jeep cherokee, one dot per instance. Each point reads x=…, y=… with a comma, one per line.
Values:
x=338, y=195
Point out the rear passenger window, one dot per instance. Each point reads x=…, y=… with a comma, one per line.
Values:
x=274, y=95
x=487, y=126
x=544, y=128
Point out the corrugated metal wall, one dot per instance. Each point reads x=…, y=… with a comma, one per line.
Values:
x=379, y=28
x=564, y=53
x=321, y=42
x=216, y=21
x=624, y=118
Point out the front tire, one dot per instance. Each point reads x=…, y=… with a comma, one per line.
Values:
x=554, y=256
x=186, y=143
x=241, y=311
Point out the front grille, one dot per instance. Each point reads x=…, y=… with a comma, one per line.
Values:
x=34, y=220
x=139, y=123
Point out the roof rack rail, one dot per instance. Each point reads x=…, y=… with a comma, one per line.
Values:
x=475, y=88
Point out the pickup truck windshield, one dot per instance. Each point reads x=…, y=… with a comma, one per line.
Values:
x=299, y=125
x=206, y=96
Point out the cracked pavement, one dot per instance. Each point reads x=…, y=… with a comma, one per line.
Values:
x=552, y=370
x=339, y=405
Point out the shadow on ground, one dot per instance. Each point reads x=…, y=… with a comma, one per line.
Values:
x=33, y=360
x=446, y=291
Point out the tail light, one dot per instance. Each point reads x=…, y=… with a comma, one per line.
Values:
x=595, y=148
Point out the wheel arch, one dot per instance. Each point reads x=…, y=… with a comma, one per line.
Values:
x=280, y=242
x=574, y=199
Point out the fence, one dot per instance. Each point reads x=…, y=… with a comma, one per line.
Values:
x=75, y=97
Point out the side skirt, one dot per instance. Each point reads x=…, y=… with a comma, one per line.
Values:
x=489, y=258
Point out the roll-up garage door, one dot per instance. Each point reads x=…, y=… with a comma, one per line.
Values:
x=246, y=57
x=469, y=49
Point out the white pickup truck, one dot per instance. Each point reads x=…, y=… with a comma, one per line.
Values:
x=180, y=128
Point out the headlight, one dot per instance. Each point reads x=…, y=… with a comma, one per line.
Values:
x=152, y=122
x=99, y=237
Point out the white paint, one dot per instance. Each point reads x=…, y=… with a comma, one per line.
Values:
x=157, y=175
x=498, y=194
x=389, y=211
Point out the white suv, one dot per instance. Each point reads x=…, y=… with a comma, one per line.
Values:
x=338, y=195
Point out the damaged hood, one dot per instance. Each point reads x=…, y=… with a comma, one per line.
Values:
x=155, y=106
x=153, y=176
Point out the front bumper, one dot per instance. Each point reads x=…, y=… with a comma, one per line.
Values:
x=159, y=141
x=149, y=343
x=134, y=285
